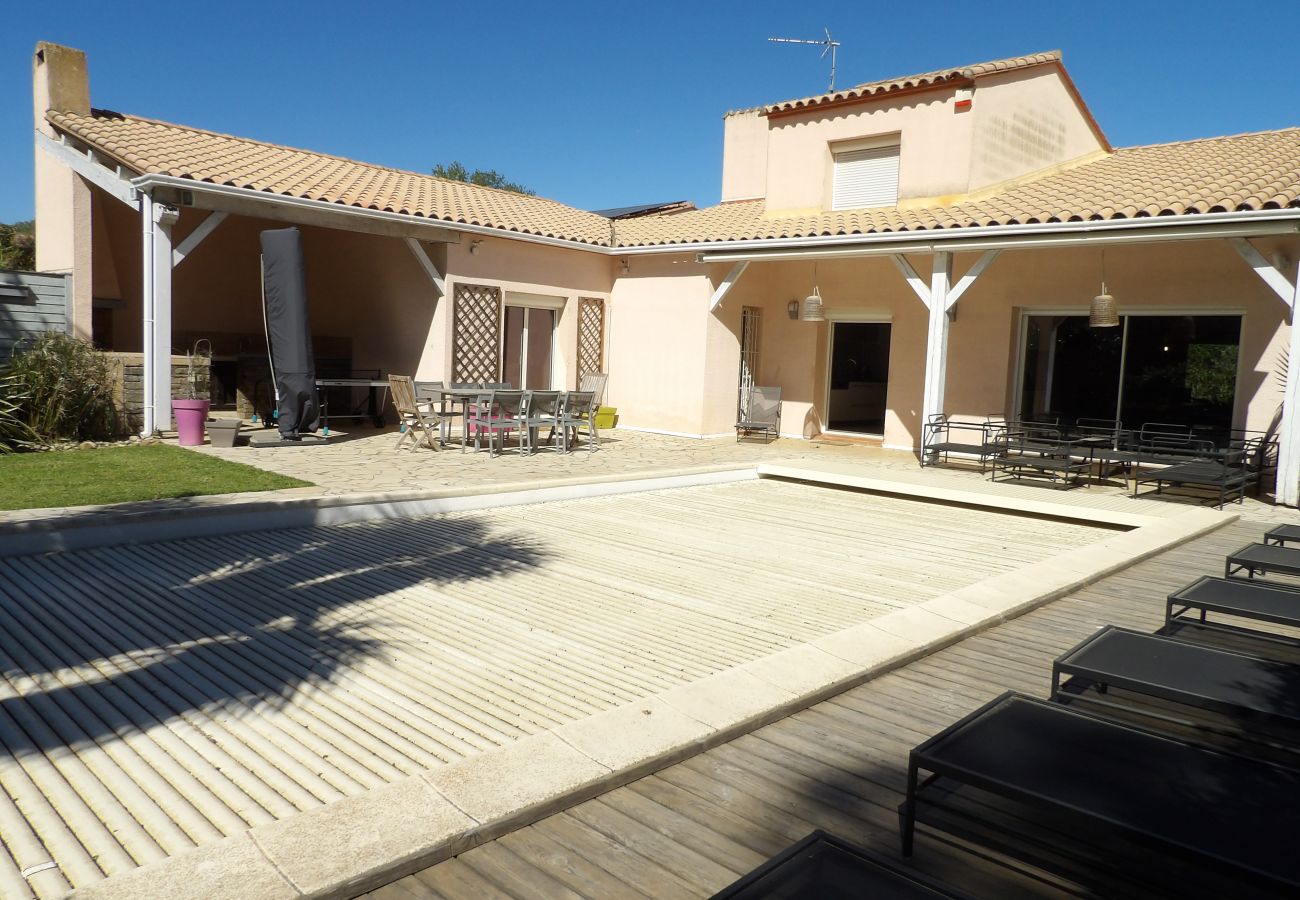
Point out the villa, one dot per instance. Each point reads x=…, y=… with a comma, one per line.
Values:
x=644, y=672
x=955, y=225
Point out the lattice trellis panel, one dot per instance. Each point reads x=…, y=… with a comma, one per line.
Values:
x=476, y=343
x=591, y=336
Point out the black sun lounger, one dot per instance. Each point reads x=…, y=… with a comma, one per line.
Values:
x=1282, y=534
x=1261, y=601
x=825, y=867
x=1218, y=815
x=1259, y=699
x=1263, y=558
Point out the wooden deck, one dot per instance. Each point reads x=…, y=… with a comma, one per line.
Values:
x=694, y=827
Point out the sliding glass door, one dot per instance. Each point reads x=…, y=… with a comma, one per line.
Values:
x=1152, y=368
x=527, y=347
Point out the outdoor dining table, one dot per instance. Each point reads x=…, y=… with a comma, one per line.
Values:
x=447, y=402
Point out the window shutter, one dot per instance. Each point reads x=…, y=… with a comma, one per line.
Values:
x=866, y=178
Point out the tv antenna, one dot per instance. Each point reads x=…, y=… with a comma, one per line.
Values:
x=828, y=46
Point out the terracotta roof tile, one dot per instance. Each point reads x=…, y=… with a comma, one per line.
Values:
x=1243, y=172
x=910, y=82
x=151, y=147
x=1227, y=174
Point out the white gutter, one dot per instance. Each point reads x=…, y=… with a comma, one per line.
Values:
x=146, y=182
x=1205, y=226
x=963, y=243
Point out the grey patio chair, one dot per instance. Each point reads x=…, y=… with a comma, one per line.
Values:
x=419, y=424
x=579, y=412
x=507, y=412
x=594, y=382
x=543, y=412
x=763, y=414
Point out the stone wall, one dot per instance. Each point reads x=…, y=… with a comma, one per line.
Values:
x=128, y=382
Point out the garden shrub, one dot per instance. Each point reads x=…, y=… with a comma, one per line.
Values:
x=63, y=390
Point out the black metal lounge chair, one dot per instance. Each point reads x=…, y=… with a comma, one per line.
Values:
x=825, y=867
x=1282, y=534
x=1262, y=558
x=944, y=435
x=1119, y=801
x=762, y=414
x=1251, y=700
x=1258, y=601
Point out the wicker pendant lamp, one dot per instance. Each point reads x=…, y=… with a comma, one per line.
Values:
x=1103, y=312
x=812, y=304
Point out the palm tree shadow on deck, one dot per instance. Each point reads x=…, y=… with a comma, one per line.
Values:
x=104, y=643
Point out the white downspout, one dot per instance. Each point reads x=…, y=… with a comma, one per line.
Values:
x=147, y=303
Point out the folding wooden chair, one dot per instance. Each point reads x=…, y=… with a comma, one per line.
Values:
x=418, y=425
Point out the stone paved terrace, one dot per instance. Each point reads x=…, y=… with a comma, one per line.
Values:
x=364, y=461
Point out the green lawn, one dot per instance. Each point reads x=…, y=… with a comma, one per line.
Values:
x=121, y=474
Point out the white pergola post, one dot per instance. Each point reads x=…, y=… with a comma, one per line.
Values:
x=1288, y=432
x=158, y=377
x=939, y=298
x=1288, y=437
x=146, y=305
x=936, y=344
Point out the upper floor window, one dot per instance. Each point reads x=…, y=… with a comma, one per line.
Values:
x=866, y=177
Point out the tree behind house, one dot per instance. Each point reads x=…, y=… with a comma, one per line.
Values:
x=456, y=171
x=18, y=246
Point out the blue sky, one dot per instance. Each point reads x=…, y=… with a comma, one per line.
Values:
x=614, y=103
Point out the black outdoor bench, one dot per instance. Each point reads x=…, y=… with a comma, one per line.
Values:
x=1252, y=700
x=1114, y=800
x=1262, y=558
x=826, y=867
x=1282, y=534
x=944, y=436
x=1270, y=602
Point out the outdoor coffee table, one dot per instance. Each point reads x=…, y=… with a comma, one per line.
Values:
x=1256, y=696
x=1262, y=558
x=1120, y=801
x=1270, y=602
x=823, y=866
x=1282, y=534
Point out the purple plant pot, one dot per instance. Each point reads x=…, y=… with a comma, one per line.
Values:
x=190, y=416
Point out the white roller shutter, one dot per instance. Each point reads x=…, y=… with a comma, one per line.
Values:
x=866, y=178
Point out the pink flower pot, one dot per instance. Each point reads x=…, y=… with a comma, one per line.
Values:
x=190, y=416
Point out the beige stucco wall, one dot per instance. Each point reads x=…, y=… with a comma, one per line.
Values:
x=658, y=332
x=1019, y=122
x=524, y=268
x=1025, y=121
x=367, y=289
x=934, y=151
x=744, y=155
x=1206, y=277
